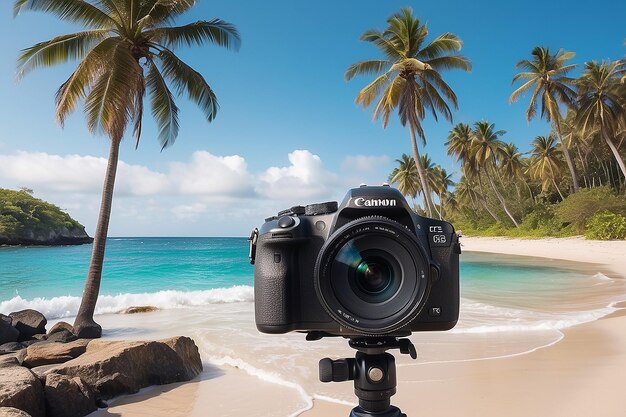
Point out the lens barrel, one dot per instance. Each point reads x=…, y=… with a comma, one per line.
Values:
x=371, y=276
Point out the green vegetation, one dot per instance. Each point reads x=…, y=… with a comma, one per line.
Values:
x=124, y=53
x=605, y=226
x=571, y=182
x=22, y=215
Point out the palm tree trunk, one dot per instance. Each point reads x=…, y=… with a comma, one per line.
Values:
x=616, y=154
x=484, y=200
x=421, y=173
x=84, y=325
x=557, y=189
x=501, y=199
x=568, y=158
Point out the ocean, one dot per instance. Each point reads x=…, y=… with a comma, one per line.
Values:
x=203, y=288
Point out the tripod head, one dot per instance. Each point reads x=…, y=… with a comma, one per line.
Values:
x=373, y=371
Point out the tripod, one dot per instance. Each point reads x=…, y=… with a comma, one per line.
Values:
x=373, y=371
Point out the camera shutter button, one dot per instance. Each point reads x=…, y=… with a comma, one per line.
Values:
x=286, y=222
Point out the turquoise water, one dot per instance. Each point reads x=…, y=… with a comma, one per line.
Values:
x=132, y=265
x=188, y=272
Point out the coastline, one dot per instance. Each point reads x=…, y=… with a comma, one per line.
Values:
x=577, y=375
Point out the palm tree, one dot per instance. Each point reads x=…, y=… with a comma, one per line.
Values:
x=601, y=103
x=486, y=149
x=408, y=78
x=546, y=74
x=441, y=181
x=546, y=163
x=124, y=52
x=406, y=177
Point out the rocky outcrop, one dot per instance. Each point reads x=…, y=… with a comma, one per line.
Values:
x=12, y=412
x=51, y=352
x=29, y=323
x=114, y=368
x=68, y=397
x=10, y=347
x=21, y=389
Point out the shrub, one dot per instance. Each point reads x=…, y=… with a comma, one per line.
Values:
x=606, y=226
x=579, y=207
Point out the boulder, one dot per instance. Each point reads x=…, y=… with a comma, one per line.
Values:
x=114, y=368
x=21, y=389
x=51, y=352
x=28, y=323
x=31, y=342
x=8, y=333
x=188, y=352
x=63, y=336
x=12, y=412
x=10, y=347
x=68, y=397
x=60, y=326
x=8, y=360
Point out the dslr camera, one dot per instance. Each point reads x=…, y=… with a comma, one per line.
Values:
x=367, y=267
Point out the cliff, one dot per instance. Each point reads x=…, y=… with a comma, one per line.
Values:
x=26, y=220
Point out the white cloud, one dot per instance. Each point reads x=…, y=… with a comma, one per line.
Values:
x=206, y=195
x=304, y=178
x=211, y=175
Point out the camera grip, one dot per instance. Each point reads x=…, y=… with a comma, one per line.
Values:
x=271, y=289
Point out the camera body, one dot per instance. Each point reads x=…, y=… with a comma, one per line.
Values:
x=368, y=267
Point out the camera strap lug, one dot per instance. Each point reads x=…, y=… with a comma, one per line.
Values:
x=254, y=236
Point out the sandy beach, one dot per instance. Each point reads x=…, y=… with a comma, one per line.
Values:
x=579, y=374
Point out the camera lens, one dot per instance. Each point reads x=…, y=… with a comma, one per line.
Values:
x=371, y=276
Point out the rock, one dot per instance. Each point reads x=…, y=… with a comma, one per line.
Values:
x=8, y=360
x=188, y=352
x=8, y=333
x=12, y=412
x=40, y=337
x=51, y=352
x=63, y=336
x=142, y=309
x=20, y=388
x=10, y=347
x=31, y=342
x=114, y=368
x=60, y=326
x=68, y=397
x=29, y=323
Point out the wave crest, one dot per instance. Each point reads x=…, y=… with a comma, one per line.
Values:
x=67, y=306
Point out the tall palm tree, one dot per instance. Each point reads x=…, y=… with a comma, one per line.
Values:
x=409, y=77
x=486, y=149
x=546, y=74
x=602, y=104
x=124, y=53
x=546, y=163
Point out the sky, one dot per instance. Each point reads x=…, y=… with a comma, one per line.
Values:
x=288, y=131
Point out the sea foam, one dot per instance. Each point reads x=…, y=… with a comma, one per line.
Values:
x=67, y=306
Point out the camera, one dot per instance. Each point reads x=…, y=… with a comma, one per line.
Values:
x=367, y=267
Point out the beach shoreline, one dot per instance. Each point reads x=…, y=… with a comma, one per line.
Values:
x=578, y=375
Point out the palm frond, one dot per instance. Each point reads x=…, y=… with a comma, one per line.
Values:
x=370, y=67
x=215, y=31
x=450, y=62
x=444, y=43
x=372, y=90
x=165, y=10
x=164, y=108
x=58, y=50
x=188, y=80
x=75, y=11
x=76, y=86
x=109, y=104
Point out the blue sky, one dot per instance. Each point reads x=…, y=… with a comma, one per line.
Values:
x=288, y=130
